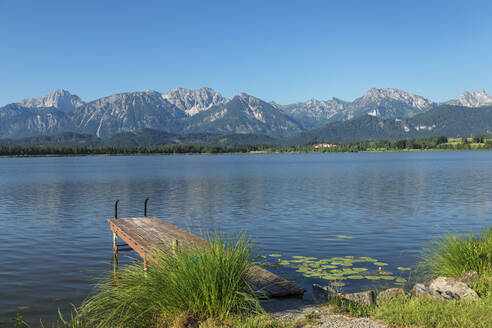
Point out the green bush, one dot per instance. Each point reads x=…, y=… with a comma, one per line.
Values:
x=189, y=284
x=449, y=256
x=452, y=255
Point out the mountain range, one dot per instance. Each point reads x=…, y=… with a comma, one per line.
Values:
x=444, y=120
x=207, y=111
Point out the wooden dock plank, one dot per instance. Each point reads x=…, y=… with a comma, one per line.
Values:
x=145, y=234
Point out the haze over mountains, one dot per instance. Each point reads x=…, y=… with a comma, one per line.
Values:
x=207, y=111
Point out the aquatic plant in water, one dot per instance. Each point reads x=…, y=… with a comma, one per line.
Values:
x=338, y=269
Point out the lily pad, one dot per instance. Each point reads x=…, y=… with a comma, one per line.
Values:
x=387, y=277
x=334, y=277
x=338, y=284
x=373, y=277
x=380, y=263
x=344, y=237
x=366, y=259
x=403, y=269
x=275, y=255
x=329, y=266
x=356, y=277
x=386, y=273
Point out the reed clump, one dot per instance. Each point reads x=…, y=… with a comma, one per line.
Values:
x=185, y=287
x=453, y=255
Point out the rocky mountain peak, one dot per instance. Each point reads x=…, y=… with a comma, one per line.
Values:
x=193, y=102
x=152, y=92
x=59, y=99
x=475, y=99
x=251, y=101
x=410, y=99
x=244, y=95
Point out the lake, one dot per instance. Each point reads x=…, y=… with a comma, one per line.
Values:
x=383, y=207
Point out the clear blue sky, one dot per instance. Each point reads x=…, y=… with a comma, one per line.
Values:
x=277, y=50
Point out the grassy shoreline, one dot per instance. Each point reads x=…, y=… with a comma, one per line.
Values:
x=450, y=256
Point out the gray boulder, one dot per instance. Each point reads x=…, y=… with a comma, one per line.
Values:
x=449, y=288
x=389, y=294
x=366, y=298
x=322, y=294
x=420, y=290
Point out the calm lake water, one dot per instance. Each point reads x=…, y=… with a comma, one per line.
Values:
x=55, y=240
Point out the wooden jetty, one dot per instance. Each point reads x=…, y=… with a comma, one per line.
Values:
x=145, y=234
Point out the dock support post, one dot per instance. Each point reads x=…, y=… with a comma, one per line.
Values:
x=115, y=252
x=145, y=206
x=174, y=246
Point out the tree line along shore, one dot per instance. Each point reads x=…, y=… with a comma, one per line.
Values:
x=439, y=143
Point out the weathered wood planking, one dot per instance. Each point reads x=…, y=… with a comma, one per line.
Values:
x=145, y=234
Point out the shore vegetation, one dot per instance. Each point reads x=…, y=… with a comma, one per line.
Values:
x=422, y=144
x=449, y=256
x=185, y=287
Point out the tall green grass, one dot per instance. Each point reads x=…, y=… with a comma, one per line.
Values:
x=75, y=321
x=430, y=312
x=453, y=255
x=190, y=284
x=449, y=256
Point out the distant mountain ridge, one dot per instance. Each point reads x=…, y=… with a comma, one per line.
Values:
x=475, y=99
x=205, y=111
x=127, y=112
x=244, y=114
x=444, y=120
x=385, y=103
